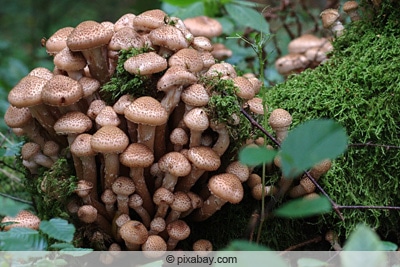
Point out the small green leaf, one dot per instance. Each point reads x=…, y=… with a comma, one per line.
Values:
x=181, y=3
x=253, y=156
x=58, y=229
x=60, y=246
x=193, y=10
x=10, y=207
x=303, y=207
x=309, y=262
x=389, y=246
x=363, y=248
x=242, y=245
x=246, y=16
x=22, y=239
x=309, y=144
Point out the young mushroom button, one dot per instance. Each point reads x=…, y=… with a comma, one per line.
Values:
x=280, y=120
x=174, y=165
x=197, y=121
x=177, y=230
x=145, y=64
x=134, y=233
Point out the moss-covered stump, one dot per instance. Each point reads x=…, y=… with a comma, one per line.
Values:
x=360, y=88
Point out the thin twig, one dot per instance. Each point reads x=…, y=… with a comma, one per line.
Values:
x=374, y=145
x=297, y=246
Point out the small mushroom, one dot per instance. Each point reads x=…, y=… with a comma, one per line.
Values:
x=134, y=233
x=197, y=121
x=350, y=7
x=123, y=187
x=180, y=204
x=224, y=187
x=330, y=20
x=154, y=247
x=177, y=230
x=136, y=203
x=24, y=219
x=280, y=120
x=174, y=165
x=162, y=197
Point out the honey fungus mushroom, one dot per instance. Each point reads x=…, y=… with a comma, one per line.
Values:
x=24, y=218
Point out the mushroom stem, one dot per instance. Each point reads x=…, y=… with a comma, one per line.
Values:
x=222, y=143
x=137, y=174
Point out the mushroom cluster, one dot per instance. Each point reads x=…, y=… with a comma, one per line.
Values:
x=306, y=51
x=147, y=163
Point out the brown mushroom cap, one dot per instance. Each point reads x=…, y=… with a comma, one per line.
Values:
x=177, y=230
x=174, y=163
x=27, y=92
x=24, y=218
x=329, y=17
x=61, y=91
x=245, y=87
x=41, y=73
x=202, y=43
x=74, y=122
x=169, y=37
x=256, y=106
x=203, y=26
x=146, y=110
x=58, y=40
x=204, y=158
x=202, y=245
x=145, y=64
x=175, y=76
x=107, y=116
x=123, y=186
x=301, y=44
x=179, y=137
x=125, y=38
x=239, y=169
x=133, y=232
x=196, y=119
x=109, y=139
x=227, y=187
x=149, y=20
x=350, y=6
x=279, y=118
x=195, y=95
x=88, y=34
x=69, y=61
x=154, y=247
x=125, y=20
x=187, y=58
x=137, y=155
x=87, y=214
x=291, y=63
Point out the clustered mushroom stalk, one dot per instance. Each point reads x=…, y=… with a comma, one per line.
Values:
x=146, y=164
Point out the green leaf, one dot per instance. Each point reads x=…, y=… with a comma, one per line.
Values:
x=254, y=156
x=196, y=9
x=309, y=144
x=181, y=3
x=303, y=207
x=22, y=239
x=248, y=17
x=362, y=239
x=242, y=245
x=309, y=262
x=58, y=229
x=10, y=207
x=389, y=246
x=60, y=246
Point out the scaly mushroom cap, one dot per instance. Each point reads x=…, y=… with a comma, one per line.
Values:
x=350, y=6
x=320, y=168
x=145, y=64
x=81, y=147
x=162, y=195
x=95, y=107
x=203, y=26
x=169, y=37
x=17, y=117
x=291, y=63
x=74, y=122
x=279, y=118
x=146, y=110
x=133, y=232
x=89, y=86
x=179, y=137
x=196, y=119
x=87, y=213
x=27, y=92
x=125, y=38
x=154, y=247
x=202, y=245
x=178, y=230
x=87, y=35
x=174, y=163
x=58, y=41
x=202, y=43
x=220, y=70
x=123, y=186
x=239, y=169
x=329, y=17
x=245, y=88
x=204, y=158
x=195, y=95
x=227, y=187
x=107, y=116
x=187, y=58
x=41, y=73
x=175, y=76
x=149, y=20
x=181, y=202
x=69, y=61
x=256, y=106
x=24, y=218
x=137, y=155
x=109, y=139
x=301, y=44
x=125, y=20
x=62, y=91
x=29, y=149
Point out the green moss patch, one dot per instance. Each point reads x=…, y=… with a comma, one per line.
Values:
x=360, y=88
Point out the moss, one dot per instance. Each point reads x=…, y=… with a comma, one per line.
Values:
x=59, y=183
x=360, y=88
